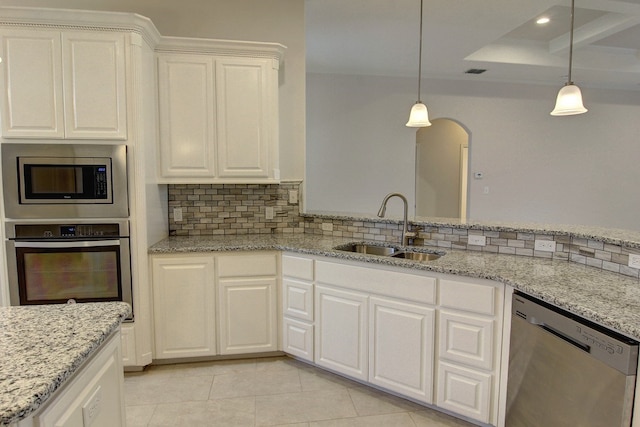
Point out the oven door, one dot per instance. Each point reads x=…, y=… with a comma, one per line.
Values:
x=49, y=272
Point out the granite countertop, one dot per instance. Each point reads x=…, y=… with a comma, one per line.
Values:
x=607, y=298
x=42, y=346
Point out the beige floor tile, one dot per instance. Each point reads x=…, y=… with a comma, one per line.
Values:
x=388, y=420
x=429, y=418
x=206, y=368
x=303, y=407
x=284, y=363
x=222, y=412
x=316, y=379
x=139, y=416
x=368, y=401
x=255, y=383
x=141, y=390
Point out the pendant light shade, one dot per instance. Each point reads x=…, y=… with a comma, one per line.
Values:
x=569, y=100
x=419, y=116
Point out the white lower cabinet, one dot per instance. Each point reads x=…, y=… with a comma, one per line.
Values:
x=184, y=306
x=94, y=397
x=341, y=331
x=401, y=337
x=298, y=306
x=206, y=304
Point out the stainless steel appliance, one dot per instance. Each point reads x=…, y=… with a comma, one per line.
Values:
x=566, y=371
x=52, y=263
x=64, y=181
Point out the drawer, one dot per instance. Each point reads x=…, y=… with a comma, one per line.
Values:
x=297, y=267
x=248, y=264
x=473, y=297
x=466, y=339
x=383, y=282
x=297, y=299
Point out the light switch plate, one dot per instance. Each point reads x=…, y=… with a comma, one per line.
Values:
x=545, y=245
x=177, y=214
x=634, y=261
x=269, y=212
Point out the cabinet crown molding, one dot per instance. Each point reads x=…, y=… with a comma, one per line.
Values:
x=75, y=19
x=221, y=47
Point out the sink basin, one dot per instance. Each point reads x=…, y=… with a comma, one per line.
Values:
x=417, y=256
x=369, y=249
x=390, y=251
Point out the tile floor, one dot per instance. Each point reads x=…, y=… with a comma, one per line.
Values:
x=277, y=391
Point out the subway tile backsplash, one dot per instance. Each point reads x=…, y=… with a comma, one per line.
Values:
x=228, y=209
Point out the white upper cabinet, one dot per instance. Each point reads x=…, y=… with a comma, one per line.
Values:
x=218, y=108
x=63, y=84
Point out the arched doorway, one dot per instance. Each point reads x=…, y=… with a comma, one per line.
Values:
x=442, y=170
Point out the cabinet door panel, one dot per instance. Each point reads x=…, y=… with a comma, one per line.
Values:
x=94, y=85
x=464, y=391
x=467, y=339
x=297, y=338
x=244, y=111
x=401, y=347
x=184, y=301
x=187, y=116
x=297, y=299
x=341, y=331
x=32, y=92
x=248, y=315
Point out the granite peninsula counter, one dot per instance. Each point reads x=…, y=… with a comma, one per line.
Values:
x=41, y=347
x=605, y=297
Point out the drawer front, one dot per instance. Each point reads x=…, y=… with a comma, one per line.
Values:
x=372, y=280
x=297, y=338
x=247, y=265
x=464, y=391
x=297, y=299
x=297, y=267
x=473, y=297
x=466, y=339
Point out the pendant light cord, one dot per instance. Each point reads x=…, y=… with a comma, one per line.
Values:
x=570, y=82
x=420, y=54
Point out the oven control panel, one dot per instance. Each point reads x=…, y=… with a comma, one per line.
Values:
x=67, y=231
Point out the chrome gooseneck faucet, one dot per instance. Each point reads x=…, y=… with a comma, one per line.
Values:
x=405, y=224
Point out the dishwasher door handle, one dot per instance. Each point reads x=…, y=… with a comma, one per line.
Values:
x=584, y=347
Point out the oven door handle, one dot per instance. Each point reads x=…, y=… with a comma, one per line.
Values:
x=75, y=244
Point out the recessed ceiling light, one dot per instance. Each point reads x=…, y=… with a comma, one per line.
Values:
x=543, y=20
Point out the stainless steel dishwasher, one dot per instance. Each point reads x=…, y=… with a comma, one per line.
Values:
x=567, y=371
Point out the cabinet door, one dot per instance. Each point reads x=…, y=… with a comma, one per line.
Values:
x=297, y=338
x=94, y=85
x=297, y=299
x=183, y=306
x=401, y=347
x=467, y=339
x=248, y=315
x=341, y=331
x=32, y=84
x=187, y=117
x=464, y=391
x=247, y=119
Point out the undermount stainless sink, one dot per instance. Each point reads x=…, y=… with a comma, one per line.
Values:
x=417, y=256
x=390, y=251
x=369, y=249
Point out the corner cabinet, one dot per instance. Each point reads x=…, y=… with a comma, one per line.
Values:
x=208, y=304
x=63, y=84
x=218, y=109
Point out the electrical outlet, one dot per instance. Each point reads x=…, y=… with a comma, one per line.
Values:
x=293, y=197
x=269, y=212
x=634, y=261
x=474, y=239
x=545, y=245
x=177, y=214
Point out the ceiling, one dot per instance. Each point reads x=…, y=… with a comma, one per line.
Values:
x=380, y=37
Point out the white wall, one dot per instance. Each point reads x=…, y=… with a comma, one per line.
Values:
x=563, y=170
x=280, y=21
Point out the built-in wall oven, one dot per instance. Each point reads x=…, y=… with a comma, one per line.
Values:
x=64, y=181
x=65, y=262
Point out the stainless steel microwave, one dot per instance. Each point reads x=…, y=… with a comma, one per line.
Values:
x=64, y=181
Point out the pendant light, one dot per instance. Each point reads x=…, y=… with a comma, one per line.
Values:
x=569, y=100
x=419, y=116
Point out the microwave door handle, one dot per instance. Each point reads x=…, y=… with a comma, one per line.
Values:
x=76, y=244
